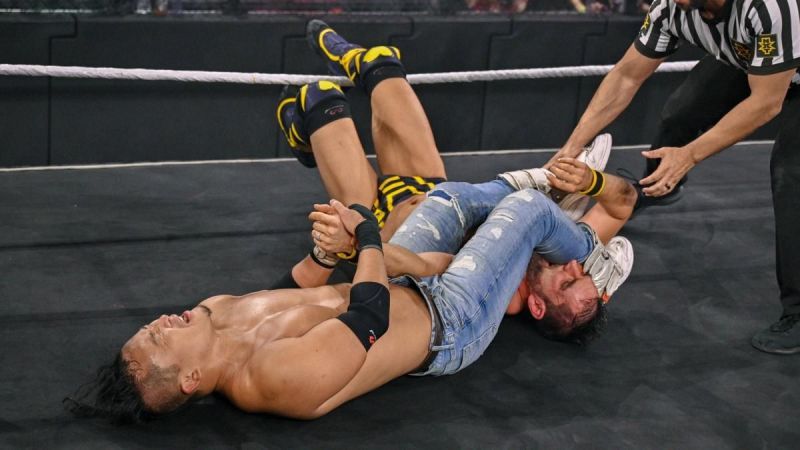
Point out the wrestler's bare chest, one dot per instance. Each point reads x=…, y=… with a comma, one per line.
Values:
x=267, y=314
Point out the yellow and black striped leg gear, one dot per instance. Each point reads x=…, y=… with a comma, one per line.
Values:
x=378, y=64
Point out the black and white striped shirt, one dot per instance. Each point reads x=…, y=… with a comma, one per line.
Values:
x=759, y=36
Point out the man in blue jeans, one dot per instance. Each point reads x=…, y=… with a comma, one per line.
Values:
x=303, y=352
x=408, y=161
x=494, y=272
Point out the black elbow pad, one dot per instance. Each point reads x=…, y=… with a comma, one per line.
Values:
x=368, y=313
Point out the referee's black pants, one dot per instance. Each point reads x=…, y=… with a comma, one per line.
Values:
x=711, y=90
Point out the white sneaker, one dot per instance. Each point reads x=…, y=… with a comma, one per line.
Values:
x=610, y=266
x=597, y=153
x=574, y=205
x=528, y=179
x=595, y=156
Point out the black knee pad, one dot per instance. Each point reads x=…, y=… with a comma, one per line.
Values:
x=378, y=64
x=368, y=313
x=320, y=104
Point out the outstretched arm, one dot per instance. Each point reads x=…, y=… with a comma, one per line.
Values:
x=615, y=197
x=611, y=98
x=765, y=101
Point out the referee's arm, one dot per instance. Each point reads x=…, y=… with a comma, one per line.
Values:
x=612, y=97
x=765, y=101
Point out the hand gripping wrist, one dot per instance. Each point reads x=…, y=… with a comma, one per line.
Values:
x=597, y=185
x=323, y=258
x=368, y=233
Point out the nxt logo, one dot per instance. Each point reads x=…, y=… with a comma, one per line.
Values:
x=766, y=46
x=645, y=25
x=743, y=51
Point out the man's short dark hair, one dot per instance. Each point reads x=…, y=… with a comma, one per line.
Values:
x=552, y=327
x=112, y=394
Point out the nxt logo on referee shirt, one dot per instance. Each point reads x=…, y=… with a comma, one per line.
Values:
x=645, y=25
x=766, y=46
x=743, y=51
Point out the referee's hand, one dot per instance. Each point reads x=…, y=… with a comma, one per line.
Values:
x=676, y=162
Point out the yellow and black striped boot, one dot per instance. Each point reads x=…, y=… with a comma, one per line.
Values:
x=364, y=67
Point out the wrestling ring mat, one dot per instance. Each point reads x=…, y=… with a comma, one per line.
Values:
x=87, y=255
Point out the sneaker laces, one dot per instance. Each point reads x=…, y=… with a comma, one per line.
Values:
x=786, y=323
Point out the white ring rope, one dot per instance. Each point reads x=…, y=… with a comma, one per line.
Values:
x=112, y=73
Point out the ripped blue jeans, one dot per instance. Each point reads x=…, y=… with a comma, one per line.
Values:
x=473, y=294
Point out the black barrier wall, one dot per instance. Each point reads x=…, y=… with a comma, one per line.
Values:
x=25, y=102
x=68, y=121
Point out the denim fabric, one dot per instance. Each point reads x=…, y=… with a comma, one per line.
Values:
x=473, y=293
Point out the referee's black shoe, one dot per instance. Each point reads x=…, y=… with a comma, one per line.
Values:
x=644, y=201
x=782, y=337
x=668, y=199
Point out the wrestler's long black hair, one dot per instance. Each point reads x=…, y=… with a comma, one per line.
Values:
x=112, y=394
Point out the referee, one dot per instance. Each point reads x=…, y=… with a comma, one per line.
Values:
x=749, y=76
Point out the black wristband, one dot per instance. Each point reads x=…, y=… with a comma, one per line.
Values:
x=364, y=211
x=599, y=185
x=368, y=233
